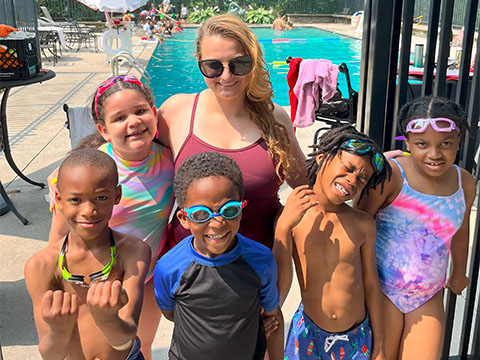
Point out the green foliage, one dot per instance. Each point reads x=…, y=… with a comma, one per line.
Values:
x=199, y=15
x=259, y=16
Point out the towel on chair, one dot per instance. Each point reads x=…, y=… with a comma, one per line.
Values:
x=315, y=74
x=292, y=76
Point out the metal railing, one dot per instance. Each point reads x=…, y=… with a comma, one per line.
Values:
x=125, y=55
x=384, y=88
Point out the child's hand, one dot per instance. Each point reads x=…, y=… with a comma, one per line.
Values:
x=395, y=154
x=52, y=188
x=298, y=203
x=60, y=311
x=457, y=283
x=105, y=299
x=270, y=323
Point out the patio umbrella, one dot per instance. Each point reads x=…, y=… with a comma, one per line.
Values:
x=118, y=6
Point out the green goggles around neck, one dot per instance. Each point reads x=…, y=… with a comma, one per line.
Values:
x=101, y=275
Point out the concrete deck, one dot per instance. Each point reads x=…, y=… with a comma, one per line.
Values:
x=39, y=141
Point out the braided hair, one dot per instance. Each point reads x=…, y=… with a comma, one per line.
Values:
x=330, y=145
x=432, y=107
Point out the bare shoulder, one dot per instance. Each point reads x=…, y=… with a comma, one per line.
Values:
x=281, y=116
x=469, y=186
x=43, y=265
x=176, y=107
x=176, y=102
x=362, y=220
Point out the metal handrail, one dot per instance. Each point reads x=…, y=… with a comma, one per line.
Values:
x=133, y=62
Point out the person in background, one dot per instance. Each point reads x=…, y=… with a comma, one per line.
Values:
x=279, y=23
x=147, y=28
x=183, y=13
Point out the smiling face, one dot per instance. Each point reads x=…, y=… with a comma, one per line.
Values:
x=86, y=196
x=343, y=177
x=130, y=123
x=227, y=85
x=217, y=235
x=433, y=152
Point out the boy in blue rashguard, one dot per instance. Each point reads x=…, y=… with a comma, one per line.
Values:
x=213, y=283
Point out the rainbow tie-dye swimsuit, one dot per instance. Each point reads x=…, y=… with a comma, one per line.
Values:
x=414, y=234
x=147, y=198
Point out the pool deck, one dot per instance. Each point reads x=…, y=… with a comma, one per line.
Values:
x=39, y=140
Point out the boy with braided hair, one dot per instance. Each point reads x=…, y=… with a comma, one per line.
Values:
x=333, y=247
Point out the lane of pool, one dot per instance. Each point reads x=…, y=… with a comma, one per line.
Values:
x=174, y=68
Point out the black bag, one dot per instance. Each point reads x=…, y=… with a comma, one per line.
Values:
x=336, y=106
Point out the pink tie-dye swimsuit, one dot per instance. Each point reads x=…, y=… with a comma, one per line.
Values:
x=414, y=234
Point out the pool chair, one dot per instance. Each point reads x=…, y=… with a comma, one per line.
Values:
x=79, y=123
x=339, y=110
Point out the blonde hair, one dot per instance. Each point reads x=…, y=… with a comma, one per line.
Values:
x=259, y=91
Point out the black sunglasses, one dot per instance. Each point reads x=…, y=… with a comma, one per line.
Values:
x=239, y=66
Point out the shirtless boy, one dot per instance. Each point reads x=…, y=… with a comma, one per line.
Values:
x=333, y=247
x=86, y=316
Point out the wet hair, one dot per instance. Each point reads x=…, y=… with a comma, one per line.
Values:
x=204, y=165
x=99, y=116
x=89, y=157
x=259, y=91
x=330, y=145
x=429, y=107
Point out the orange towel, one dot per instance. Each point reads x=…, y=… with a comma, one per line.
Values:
x=5, y=30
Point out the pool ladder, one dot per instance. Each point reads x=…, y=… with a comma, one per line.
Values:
x=133, y=62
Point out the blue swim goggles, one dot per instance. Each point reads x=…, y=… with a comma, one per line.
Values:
x=359, y=147
x=201, y=214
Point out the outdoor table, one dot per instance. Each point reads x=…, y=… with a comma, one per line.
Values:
x=5, y=86
x=58, y=30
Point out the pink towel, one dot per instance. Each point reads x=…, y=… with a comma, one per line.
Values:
x=314, y=75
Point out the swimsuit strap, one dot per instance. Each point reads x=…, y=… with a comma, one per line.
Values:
x=194, y=110
x=459, y=172
x=401, y=169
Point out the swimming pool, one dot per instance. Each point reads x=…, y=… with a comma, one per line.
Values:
x=174, y=69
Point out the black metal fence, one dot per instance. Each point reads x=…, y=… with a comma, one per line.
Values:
x=384, y=88
x=69, y=10
x=72, y=9
x=20, y=14
x=422, y=9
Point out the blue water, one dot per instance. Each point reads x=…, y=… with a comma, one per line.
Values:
x=174, y=69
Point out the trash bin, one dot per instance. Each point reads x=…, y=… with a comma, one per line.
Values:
x=418, y=56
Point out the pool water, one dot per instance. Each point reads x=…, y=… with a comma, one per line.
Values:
x=173, y=67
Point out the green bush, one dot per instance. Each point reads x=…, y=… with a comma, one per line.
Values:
x=259, y=16
x=198, y=16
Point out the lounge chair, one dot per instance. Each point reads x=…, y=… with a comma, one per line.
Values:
x=79, y=123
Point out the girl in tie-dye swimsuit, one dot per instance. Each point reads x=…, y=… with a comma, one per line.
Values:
x=126, y=118
x=422, y=215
